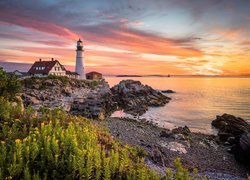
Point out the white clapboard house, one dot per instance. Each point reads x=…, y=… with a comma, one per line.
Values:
x=54, y=67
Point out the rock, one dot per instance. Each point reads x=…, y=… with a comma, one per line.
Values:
x=231, y=140
x=165, y=134
x=224, y=136
x=175, y=146
x=67, y=91
x=169, y=91
x=97, y=104
x=230, y=126
x=77, y=96
x=157, y=156
x=135, y=98
x=182, y=130
x=48, y=82
x=241, y=150
x=30, y=100
x=35, y=86
x=178, y=137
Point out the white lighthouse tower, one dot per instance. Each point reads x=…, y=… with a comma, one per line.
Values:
x=79, y=59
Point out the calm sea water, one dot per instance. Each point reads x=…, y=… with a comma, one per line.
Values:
x=197, y=101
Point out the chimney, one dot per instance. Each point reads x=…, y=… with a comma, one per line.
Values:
x=52, y=59
x=40, y=59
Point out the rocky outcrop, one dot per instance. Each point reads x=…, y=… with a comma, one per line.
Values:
x=91, y=99
x=234, y=131
x=241, y=149
x=230, y=126
x=135, y=98
x=98, y=104
x=87, y=98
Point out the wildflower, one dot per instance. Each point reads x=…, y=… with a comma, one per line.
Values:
x=42, y=124
x=36, y=128
x=18, y=140
x=3, y=142
x=17, y=120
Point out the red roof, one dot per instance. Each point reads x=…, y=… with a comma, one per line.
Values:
x=48, y=65
x=93, y=72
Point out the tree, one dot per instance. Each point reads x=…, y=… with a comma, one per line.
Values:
x=10, y=85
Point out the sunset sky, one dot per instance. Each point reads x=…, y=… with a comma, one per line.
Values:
x=184, y=37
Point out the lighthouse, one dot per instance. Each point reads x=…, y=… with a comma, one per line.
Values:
x=79, y=59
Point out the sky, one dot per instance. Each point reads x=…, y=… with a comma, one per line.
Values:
x=142, y=37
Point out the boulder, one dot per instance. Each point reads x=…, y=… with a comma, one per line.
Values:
x=135, y=98
x=230, y=126
x=241, y=149
x=182, y=130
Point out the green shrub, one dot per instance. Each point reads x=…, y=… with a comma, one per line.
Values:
x=9, y=85
x=53, y=145
x=63, y=79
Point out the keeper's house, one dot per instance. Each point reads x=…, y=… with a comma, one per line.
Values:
x=44, y=68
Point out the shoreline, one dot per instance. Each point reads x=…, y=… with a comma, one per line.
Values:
x=162, y=146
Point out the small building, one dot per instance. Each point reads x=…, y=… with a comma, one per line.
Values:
x=94, y=75
x=20, y=74
x=54, y=67
x=72, y=74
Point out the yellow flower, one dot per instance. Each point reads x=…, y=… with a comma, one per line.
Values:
x=17, y=120
x=18, y=140
x=42, y=124
x=2, y=142
x=36, y=128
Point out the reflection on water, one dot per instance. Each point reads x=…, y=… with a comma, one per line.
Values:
x=197, y=101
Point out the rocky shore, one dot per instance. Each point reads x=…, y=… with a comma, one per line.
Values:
x=196, y=150
x=217, y=156
x=92, y=99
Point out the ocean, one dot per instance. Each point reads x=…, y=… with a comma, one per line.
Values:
x=196, y=102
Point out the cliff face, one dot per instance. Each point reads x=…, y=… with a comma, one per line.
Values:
x=92, y=99
x=88, y=98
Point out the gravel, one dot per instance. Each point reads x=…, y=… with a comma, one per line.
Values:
x=195, y=150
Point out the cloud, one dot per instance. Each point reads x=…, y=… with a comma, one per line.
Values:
x=130, y=29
